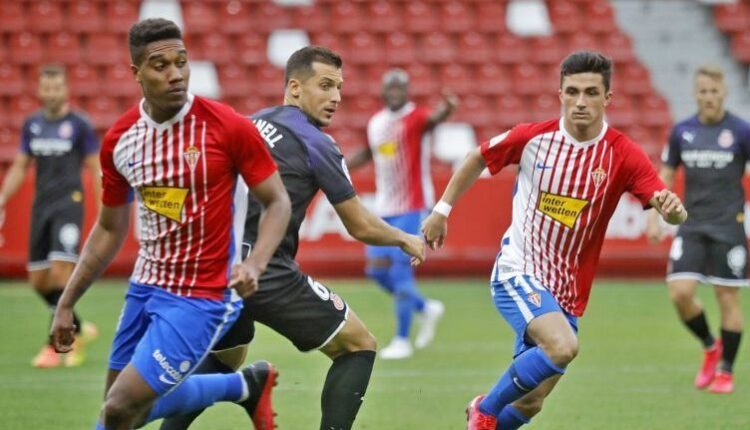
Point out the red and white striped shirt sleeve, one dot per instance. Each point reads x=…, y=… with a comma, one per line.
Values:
x=115, y=188
x=505, y=149
x=643, y=180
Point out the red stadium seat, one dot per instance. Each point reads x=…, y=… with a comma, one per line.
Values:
x=621, y=113
x=84, y=16
x=200, y=18
x=104, y=111
x=236, y=81
x=599, y=17
x=382, y=16
x=360, y=110
x=248, y=105
x=421, y=79
x=14, y=82
x=619, y=48
x=475, y=110
x=492, y=79
x=420, y=17
x=121, y=15
x=733, y=17
x=328, y=40
x=310, y=18
x=63, y=47
x=544, y=107
x=654, y=111
x=12, y=17
x=546, y=50
x=511, y=110
x=437, y=48
x=83, y=80
x=348, y=17
x=457, y=79
x=740, y=45
x=234, y=17
x=455, y=17
x=46, y=17
x=635, y=79
x=490, y=17
x=582, y=41
x=25, y=48
x=529, y=79
x=566, y=17
x=217, y=48
x=20, y=108
x=399, y=48
x=105, y=49
x=510, y=49
x=272, y=80
x=119, y=81
x=365, y=48
x=356, y=81
x=250, y=48
x=269, y=16
x=9, y=139
x=474, y=48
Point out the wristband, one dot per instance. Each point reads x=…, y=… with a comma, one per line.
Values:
x=442, y=208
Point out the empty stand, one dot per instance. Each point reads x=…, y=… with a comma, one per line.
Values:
x=84, y=17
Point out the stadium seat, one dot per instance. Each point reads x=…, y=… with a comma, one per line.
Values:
x=544, y=107
x=45, y=17
x=528, y=18
x=492, y=80
x=365, y=48
x=216, y=47
x=546, y=50
x=83, y=80
x=399, y=48
x=234, y=17
x=14, y=82
x=528, y=78
x=357, y=81
x=25, y=48
x=421, y=79
x=619, y=48
x=311, y=18
x=84, y=17
x=200, y=18
x=600, y=18
x=383, y=17
x=510, y=49
x=103, y=111
x=236, y=81
x=740, y=46
x=512, y=110
x=473, y=48
x=436, y=47
x=475, y=110
x=119, y=81
x=283, y=43
x=9, y=139
x=120, y=15
x=63, y=47
x=457, y=79
x=250, y=48
x=490, y=17
x=268, y=16
x=348, y=17
x=360, y=110
x=455, y=17
x=654, y=111
x=329, y=40
x=204, y=81
x=621, y=113
x=104, y=49
x=20, y=108
x=420, y=17
x=12, y=17
x=248, y=105
x=580, y=40
x=271, y=81
x=452, y=141
x=635, y=79
x=732, y=17
x=566, y=18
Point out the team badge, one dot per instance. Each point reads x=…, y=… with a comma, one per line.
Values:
x=65, y=131
x=598, y=175
x=535, y=299
x=337, y=302
x=191, y=156
x=726, y=138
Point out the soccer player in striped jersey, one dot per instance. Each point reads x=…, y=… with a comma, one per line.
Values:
x=180, y=156
x=572, y=173
x=713, y=147
x=399, y=145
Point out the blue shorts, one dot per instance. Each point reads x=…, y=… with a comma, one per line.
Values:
x=165, y=336
x=408, y=222
x=522, y=298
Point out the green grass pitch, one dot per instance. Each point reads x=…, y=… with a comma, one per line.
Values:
x=634, y=370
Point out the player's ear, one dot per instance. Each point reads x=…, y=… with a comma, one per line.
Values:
x=134, y=69
x=294, y=87
x=607, y=98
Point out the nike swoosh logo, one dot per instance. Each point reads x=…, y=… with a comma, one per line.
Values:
x=163, y=379
x=541, y=166
x=131, y=164
x=517, y=383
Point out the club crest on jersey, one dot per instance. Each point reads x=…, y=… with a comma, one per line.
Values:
x=191, y=156
x=535, y=299
x=562, y=209
x=598, y=175
x=726, y=138
x=65, y=131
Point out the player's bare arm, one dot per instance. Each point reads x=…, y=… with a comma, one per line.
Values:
x=372, y=230
x=359, y=159
x=105, y=240
x=669, y=206
x=14, y=178
x=446, y=107
x=654, y=231
x=94, y=166
x=271, y=229
x=435, y=227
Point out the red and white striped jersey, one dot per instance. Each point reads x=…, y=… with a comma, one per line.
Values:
x=401, y=153
x=184, y=173
x=566, y=192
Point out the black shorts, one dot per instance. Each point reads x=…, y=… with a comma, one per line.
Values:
x=55, y=235
x=303, y=311
x=710, y=258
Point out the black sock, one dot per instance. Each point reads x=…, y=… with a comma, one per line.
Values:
x=52, y=298
x=210, y=364
x=344, y=389
x=699, y=327
x=731, y=341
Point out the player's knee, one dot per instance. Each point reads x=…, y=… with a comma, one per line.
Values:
x=680, y=297
x=117, y=410
x=562, y=350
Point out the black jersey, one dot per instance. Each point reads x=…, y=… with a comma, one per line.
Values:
x=714, y=158
x=58, y=147
x=309, y=160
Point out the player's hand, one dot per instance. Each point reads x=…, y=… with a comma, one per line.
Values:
x=669, y=205
x=244, y=278
x=435, y=229
x=63, y=329
x=414, y=246
x=654, y=231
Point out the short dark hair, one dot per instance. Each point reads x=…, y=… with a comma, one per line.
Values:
x=51, y=71
x=150, y=30
x=587, y=61
x=300, y=63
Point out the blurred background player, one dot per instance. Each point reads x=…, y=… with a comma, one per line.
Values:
x=399, y=145
x=289, y=301
x=573, y=171
x=713, y=147
x=59, y=141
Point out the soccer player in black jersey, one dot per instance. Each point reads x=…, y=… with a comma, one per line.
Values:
x=713, y=147
x=59, y=141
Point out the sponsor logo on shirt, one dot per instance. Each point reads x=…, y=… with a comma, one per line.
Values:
x=171, y=375
x=165, y=201
x=388, y=149
x=50, y=146
x=707, y=159
x=564, y=210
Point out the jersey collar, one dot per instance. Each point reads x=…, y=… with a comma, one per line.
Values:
x=168, y=123
x=571, y=139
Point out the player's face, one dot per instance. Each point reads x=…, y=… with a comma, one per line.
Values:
x=584, y=98
x=710, y=94
x=395, y=95
x=320, y=94
x=53, y=92
x=164, y=74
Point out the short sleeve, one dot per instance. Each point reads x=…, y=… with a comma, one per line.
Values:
x=116, y=190
x=330, y=171
x=89, y=141
x=671, y=155
x=249, y=153
x=643, y=181
x=504, y=149
x=26, y=138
